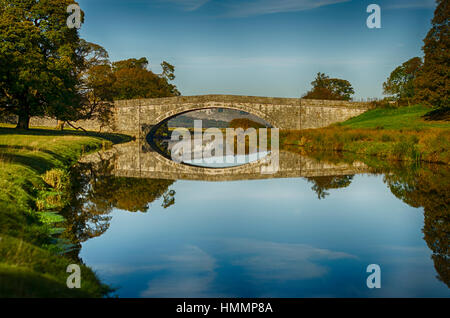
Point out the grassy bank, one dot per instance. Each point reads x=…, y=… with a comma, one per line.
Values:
x=393, y=134
x=34, y=179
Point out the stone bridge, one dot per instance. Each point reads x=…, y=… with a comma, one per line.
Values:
x=138, y=160
x=137, y=117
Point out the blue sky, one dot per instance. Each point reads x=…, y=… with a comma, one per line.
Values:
x=261, y=47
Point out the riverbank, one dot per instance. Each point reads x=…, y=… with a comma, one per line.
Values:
x=35, y=183
x=400, y=134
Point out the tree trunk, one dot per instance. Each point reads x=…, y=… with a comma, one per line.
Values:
x=60, y=125
x=24, y=121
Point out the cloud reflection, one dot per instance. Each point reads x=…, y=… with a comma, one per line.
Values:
x=281, y=261
x=192, y=272
x=188, y=274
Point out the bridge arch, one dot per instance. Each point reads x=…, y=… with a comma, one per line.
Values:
x=191, y=108
x=149, y=137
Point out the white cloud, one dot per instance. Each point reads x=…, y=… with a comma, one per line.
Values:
x=410, y=4
x=189, y=5
x=261, y=7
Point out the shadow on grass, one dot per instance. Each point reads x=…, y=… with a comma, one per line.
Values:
x=4, y=154
x=113, y=137
x=40, y=165
x=18, y=282
x=438, y=114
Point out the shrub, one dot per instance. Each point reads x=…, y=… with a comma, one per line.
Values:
x=405, y=150
x=58, y=179
x=414, y=139
x=386, y=138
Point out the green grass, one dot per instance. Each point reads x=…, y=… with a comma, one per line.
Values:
x=395, y=118
x=33, y=173
x=393, y=134
x=29, y=271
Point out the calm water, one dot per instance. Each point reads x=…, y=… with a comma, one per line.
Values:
x=277, y=237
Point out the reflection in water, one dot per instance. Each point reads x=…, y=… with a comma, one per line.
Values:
x=216, y=148
x=321, y=184
x=263, y=238
x=428, y=188
x=97, y=193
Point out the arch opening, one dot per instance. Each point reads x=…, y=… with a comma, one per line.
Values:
x=211, y=137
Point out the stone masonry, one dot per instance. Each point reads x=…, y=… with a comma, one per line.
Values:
x=137, y=117
x=137, y=160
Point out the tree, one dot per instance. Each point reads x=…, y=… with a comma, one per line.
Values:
x=97, y=81
x=142, y=63
x=330, y=88
x=341, y=89
x=168, y=71
x=38, y=59
x=134, y=80
x=245, y=124
x=401, y=81
x=433, y=80
x=322, y=184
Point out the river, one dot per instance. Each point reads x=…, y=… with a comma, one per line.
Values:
x=309, y=231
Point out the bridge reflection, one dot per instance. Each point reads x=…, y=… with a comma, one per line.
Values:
x=139, y=160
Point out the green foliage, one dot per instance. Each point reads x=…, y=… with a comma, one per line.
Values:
x=386, y=138
x=133, y=195
x=168, y=71
x=39, y=61
x=401, y=81
x=405, y=149
x=50, y=217
x=330, y=88
x=133, y=80
x=58, y=179
x=433, y=80
x=47, y=70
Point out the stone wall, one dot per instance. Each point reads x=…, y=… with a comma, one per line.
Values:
x=137, y=117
